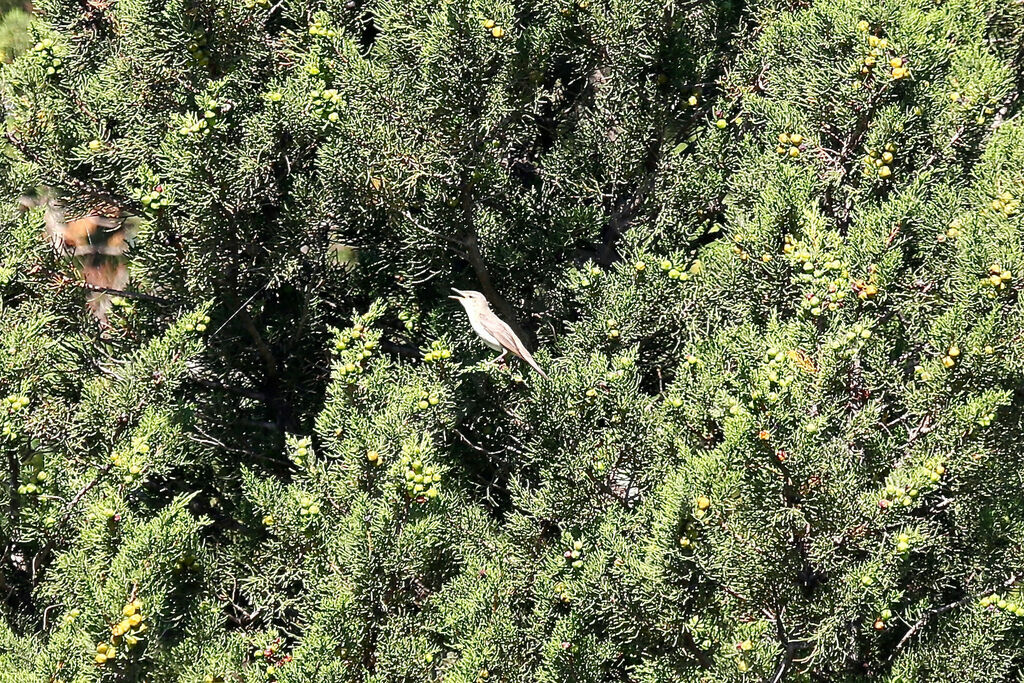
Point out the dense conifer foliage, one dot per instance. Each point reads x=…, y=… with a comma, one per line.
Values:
x=770, y=254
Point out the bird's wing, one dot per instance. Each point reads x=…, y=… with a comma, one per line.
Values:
x=508, y=339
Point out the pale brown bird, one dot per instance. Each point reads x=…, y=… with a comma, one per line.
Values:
x=494, y=331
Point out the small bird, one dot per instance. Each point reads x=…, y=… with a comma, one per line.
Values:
x=97, y=242
x=494, y=331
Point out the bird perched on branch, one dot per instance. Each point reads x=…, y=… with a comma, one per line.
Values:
x=494, y=331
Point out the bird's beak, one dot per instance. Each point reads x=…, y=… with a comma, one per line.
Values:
x=460, y=296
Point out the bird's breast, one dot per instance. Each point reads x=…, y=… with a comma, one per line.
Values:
x=486, y=336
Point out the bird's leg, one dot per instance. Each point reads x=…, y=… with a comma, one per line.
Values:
x=499, y=360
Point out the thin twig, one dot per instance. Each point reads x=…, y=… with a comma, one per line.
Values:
x=244, y=304
x=476, y=447
x=126, y=294
x=937, y=611
x=433, y=233
x=65, y=279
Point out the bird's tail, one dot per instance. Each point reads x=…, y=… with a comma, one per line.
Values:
x=532, y=363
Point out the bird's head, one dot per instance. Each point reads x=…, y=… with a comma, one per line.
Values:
x=469, y=298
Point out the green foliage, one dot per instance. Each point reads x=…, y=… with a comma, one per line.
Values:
x=770, y=254
x=14, y=36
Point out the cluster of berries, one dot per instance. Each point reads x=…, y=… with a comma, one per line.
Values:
x=492, y=26
x=353, y=348
x=790, y=144
x=44, y=51
x=438, y=351
x=198, y=48
x=207, y=121
x=420, y=479
x=127, y=633
x=880, y=163
x=10, y=405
